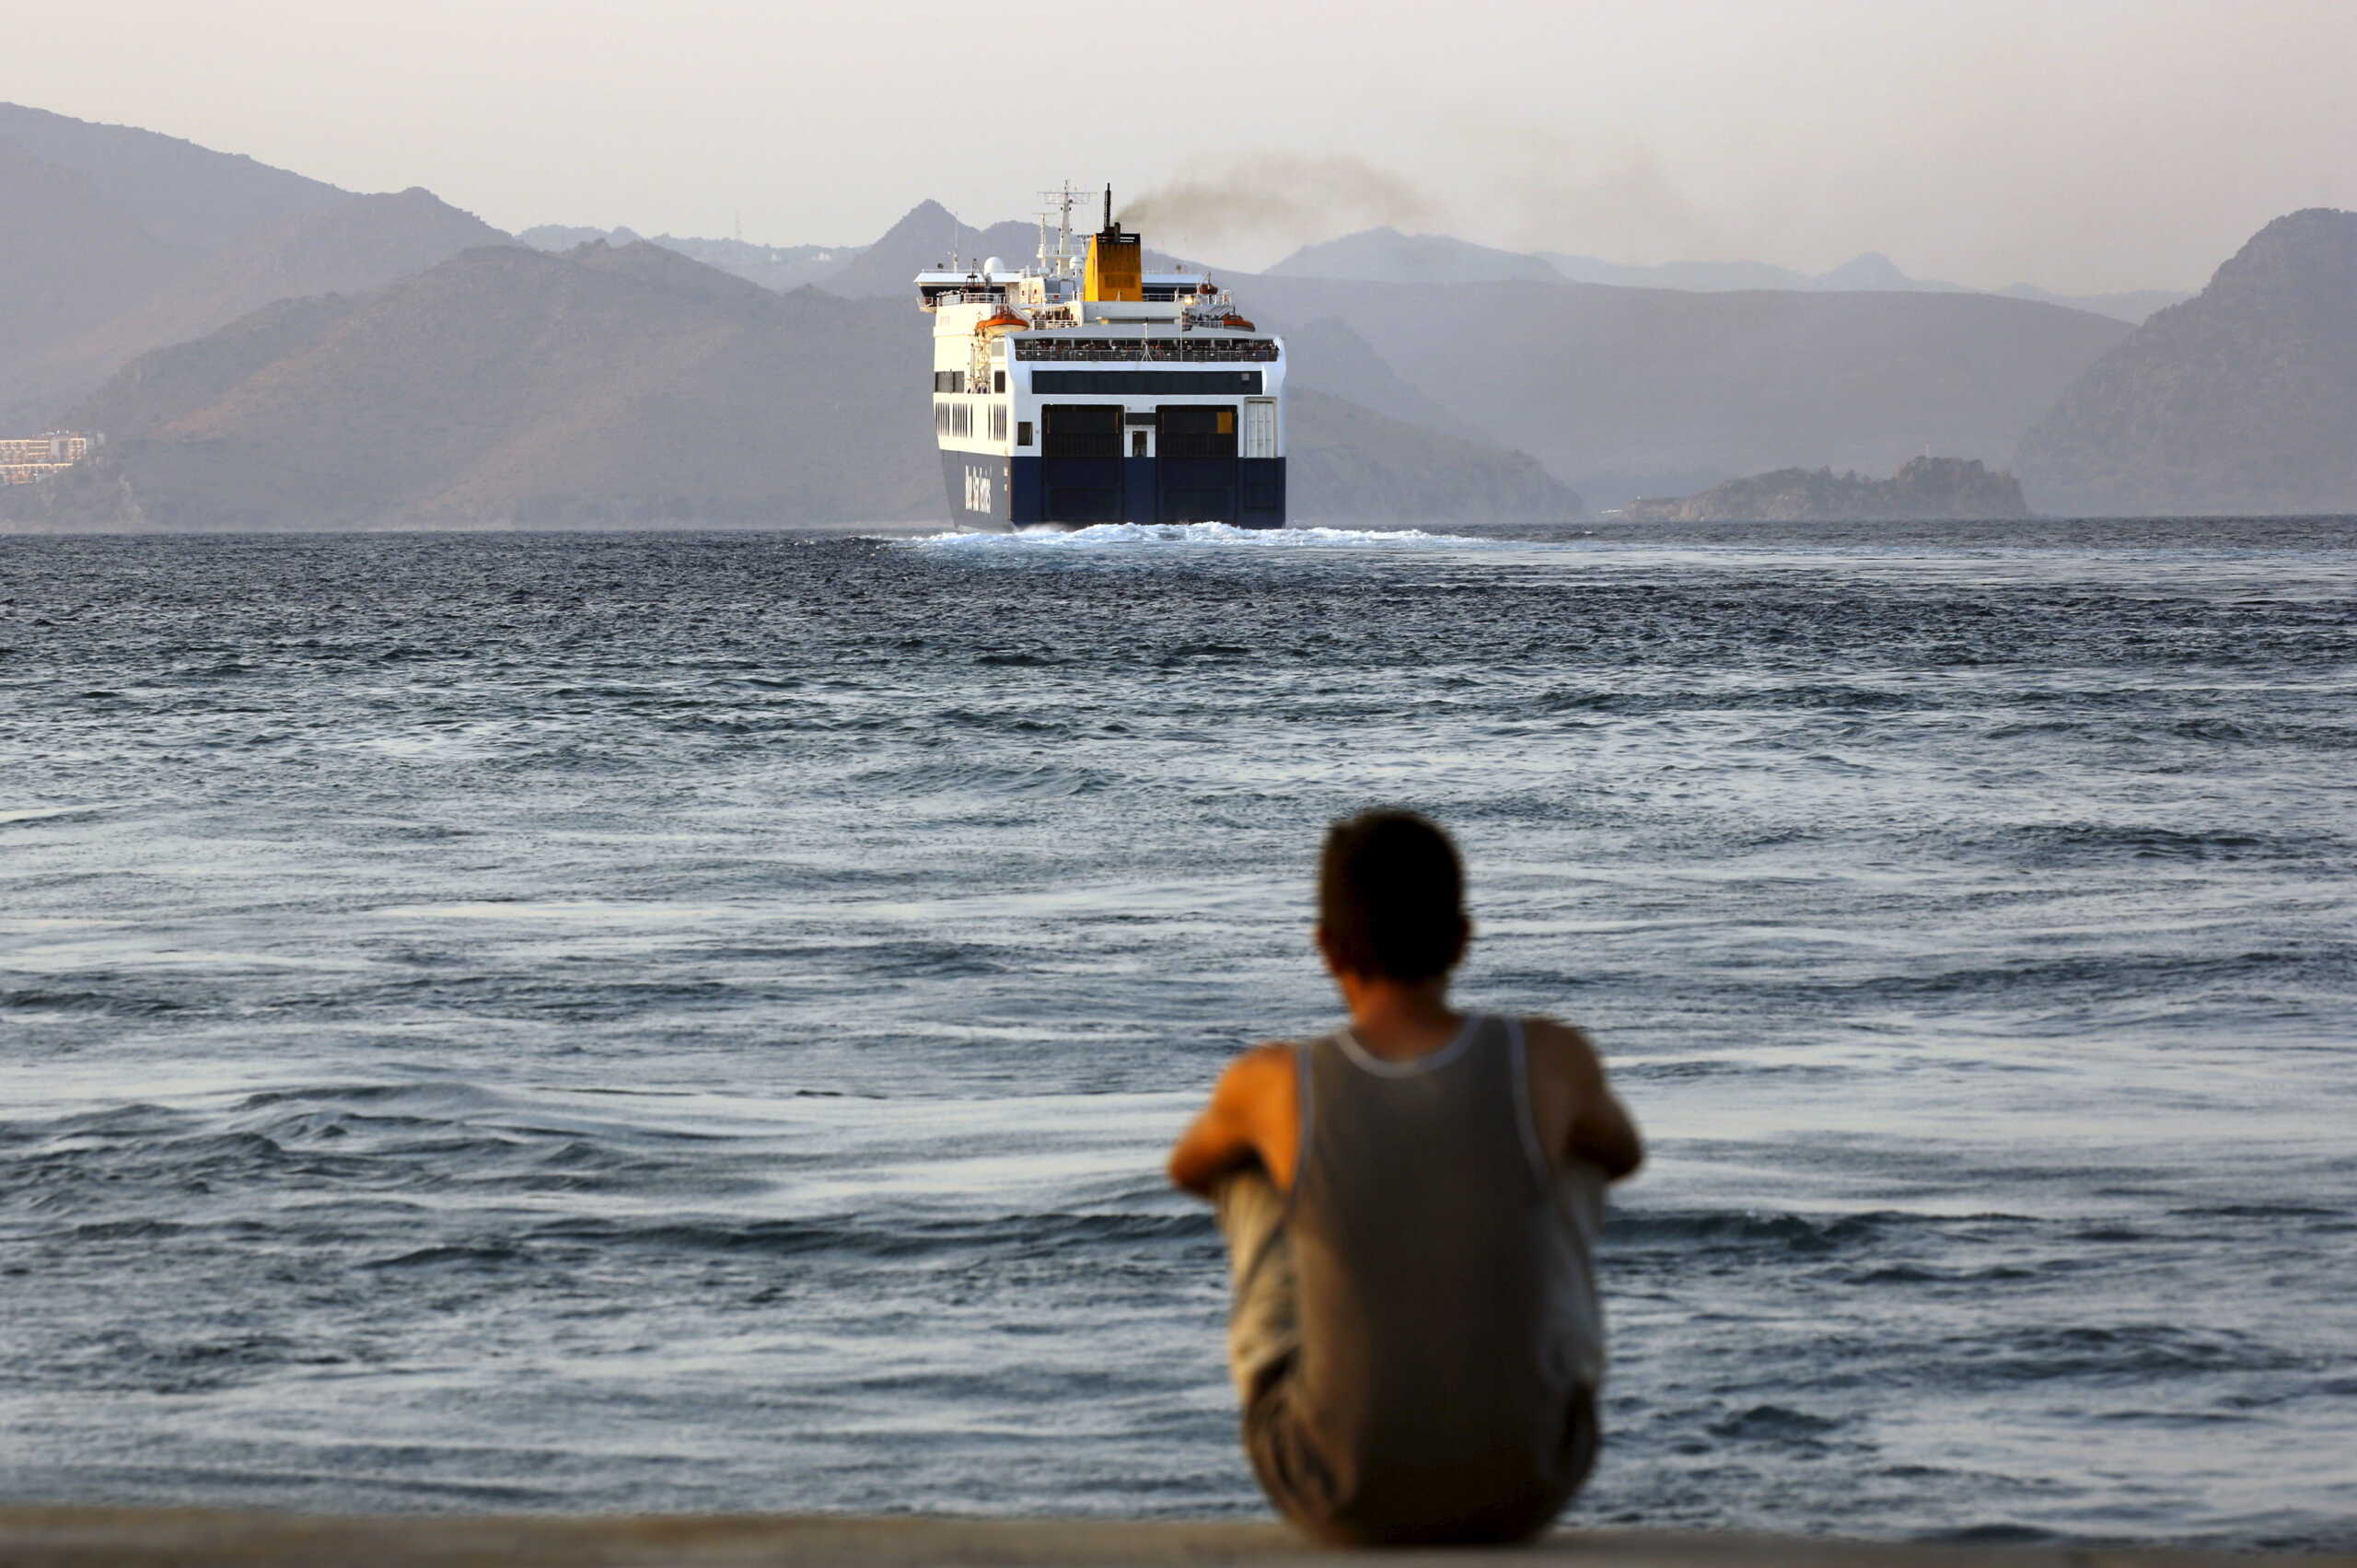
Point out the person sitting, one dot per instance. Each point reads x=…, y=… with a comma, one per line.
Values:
x=1411, y=1204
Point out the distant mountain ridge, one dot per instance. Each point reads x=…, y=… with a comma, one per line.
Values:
x=121, y=240
x=2241, y=400
x=186, y=196
x=627, y=385
x=771, y=266
x=1628, y=392
x=1385, y=255
x=188, y=284
x=929, y=233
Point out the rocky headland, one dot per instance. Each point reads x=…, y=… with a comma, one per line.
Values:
x=2240, y=401
x=1923, y=489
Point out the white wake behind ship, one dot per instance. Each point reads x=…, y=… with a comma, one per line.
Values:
x=1082, y=389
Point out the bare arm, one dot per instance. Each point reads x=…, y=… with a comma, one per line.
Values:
x=1232, y=1134
x=1598, y=1127
x=1604, y=1134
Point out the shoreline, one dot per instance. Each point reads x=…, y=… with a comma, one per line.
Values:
x=63, y=1536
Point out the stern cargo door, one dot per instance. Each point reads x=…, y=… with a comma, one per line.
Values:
x=1080, y=464
x=1197, y=447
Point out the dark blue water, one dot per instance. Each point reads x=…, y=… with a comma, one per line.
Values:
x=692, y=1022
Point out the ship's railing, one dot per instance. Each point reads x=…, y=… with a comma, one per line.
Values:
x=965, y=296
x=1132, y=350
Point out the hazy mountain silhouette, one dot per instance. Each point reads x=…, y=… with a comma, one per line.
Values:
x=771, y=266
x=626, y=385
x=2242, y=400
x=121, y=240
x=1700, y=277
x=72, y=260
x=1873, y=271
x=1385, y=255
x=2134, y=305
x=182, y=195
x=1326, y=356
x=630, y=385
x=1870, y=271
x=1624, y=392
x=925, y=237
x=357, y=243
x=1350, y=464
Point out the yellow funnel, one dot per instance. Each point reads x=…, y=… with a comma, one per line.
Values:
x=1116, y=267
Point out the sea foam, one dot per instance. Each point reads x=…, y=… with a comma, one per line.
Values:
x=1102, y=536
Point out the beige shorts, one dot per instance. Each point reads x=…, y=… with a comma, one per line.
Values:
x=1263, y=1344
x=1263, y=1328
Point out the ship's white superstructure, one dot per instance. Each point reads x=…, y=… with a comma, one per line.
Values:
x=1082, y=388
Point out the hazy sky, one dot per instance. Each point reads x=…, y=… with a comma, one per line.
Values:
x=2080, y=144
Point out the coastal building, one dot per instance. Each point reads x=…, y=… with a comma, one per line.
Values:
x=25, y=458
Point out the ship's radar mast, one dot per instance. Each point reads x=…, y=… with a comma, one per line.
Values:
x=1063, y=261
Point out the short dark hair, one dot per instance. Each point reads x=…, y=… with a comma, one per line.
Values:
x=1391, y=897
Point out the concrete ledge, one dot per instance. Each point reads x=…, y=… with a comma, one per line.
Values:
x=33, y=1536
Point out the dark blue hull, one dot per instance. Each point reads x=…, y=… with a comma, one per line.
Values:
x=990, y=492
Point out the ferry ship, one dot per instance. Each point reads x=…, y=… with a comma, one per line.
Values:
x=1082, y=389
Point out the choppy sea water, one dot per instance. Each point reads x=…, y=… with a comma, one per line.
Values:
x=664, y=1022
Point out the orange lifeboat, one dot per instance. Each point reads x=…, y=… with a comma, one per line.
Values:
x=1004, y=321
x=1235, y=323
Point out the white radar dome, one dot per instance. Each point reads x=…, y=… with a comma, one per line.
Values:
x=992, y=266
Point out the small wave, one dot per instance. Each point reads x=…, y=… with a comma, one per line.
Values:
x=1773, y=1424
x=21, y=816
x=2133, y=1354
x=1102, y=536
x=2143, y=840
x=1990, y=1535
x=453, y=1256
x=86, y=1001
x=1696, y=1229
x=998, y=1235
x=1042, y=781
x=1922, y=1273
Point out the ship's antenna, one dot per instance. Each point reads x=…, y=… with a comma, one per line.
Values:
x=1108, y=207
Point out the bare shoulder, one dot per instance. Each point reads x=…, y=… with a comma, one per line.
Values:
x=1564, y=1046
x=1565, y=1068
x=1259, y=1069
